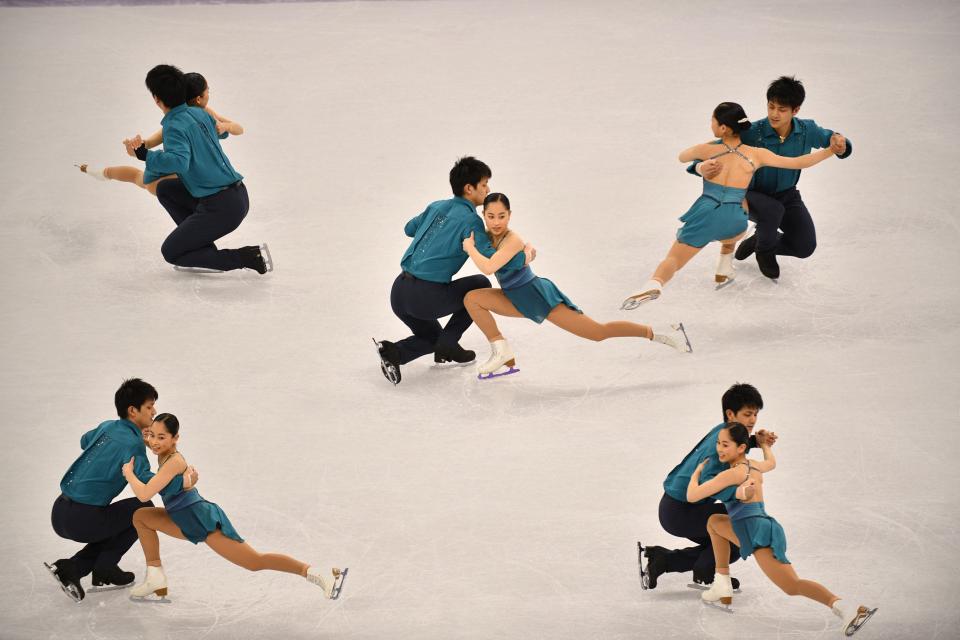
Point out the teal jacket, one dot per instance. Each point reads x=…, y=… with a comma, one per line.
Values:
x=436, y=253
x=678, y=480
x=805, y=136
x=191, y=149
x=95, y=477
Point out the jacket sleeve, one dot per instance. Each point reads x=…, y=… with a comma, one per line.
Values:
x=414, y=223
x=87, y=439
x=141, y=466
x=175, y=157
x=820, y=138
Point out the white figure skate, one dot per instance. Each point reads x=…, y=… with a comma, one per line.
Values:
x=720, y=594
x=93, y=172
x=501, y=356
x=725, y=273
x=651, y=291
x=154, y=584
x=331, y=584
x=855, y=619
x=675, y=337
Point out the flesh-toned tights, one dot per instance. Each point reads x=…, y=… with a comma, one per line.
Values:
x=680, y=254
x=133, y=175
x=150, y=520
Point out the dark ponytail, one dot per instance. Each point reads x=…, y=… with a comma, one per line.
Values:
x=739, y=435
x=732, y=115
x=170, y=422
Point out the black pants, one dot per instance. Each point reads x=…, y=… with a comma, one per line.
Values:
x=418, y=303
x=784, y=225
x=108, y=531
x=200, y=222
x=686, y=520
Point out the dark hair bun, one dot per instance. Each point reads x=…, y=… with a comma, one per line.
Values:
x=732, y=115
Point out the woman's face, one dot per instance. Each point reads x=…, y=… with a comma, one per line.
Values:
x=159, y=439
x=727, y=449
x=496, y=216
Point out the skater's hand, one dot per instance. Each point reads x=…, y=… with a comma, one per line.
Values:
x=838, y=144
x=709, y=169
x=131, y=145
x=127, y=468
x=468, y=243
x=223, y=127
x=530, y=252
x=190, y=477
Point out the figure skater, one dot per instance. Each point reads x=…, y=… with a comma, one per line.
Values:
x=198, y=95
x=747, y=525
x=186, y=515
x=525, y=295
x=719, y=214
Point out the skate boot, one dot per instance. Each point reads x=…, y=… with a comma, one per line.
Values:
x=501, y=355
x=703, y=579
x=456, y=353
x=767, y=261
x=114, y=577
x=257, y=258
x=331, y=584
x=65, y=573
x=656, y=565
x=389, y=360
x=746, y=248
x=675, y=337
x=651, y=291
x=720, y=592
x=725, y=272
x=93, y=172
x=852, y=620
x=155, y=582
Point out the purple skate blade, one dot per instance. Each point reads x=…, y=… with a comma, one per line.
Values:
x=488, y=376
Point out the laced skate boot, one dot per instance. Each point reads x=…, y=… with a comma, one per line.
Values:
x=675, y=337
x=656, y=564
x=651, y=291
x=331, y=584
x=456, y=353
x=93, y=172
x=257, y=258
x=852, y=620
x=501, y=355
x=389, y=360
x=746, y=248
x=112, y=576
x=725, y=272
x=67, y=577
x=767, y=261
x=721, y=591
x=155, y=582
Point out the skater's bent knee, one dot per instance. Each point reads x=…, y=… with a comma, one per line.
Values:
x=807, y=250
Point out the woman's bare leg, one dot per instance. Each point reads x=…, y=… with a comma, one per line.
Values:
x=133, y=176
x=481, y=304
x=678, y=256
x=585, y=327
x=147, y=522
x=784, y=576
x=243, y=555
x=721, y=535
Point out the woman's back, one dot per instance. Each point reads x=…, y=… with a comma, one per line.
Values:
x=737, y=165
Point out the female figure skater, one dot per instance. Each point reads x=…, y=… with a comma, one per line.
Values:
x=719, y=214
x=747, y=525
x=523, y=294
x=186, y=515
x=198, y=95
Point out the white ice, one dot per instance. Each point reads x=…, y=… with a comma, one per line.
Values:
x=508, y=509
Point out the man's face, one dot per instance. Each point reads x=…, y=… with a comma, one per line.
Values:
x=780, y=115
x=476, y=193
x=747, y=416
x=142, y=417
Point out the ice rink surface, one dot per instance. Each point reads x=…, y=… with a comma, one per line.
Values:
x=506, y=509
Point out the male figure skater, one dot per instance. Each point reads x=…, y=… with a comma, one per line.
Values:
x=784, y=226
x=208, y=199
x=84, y=512
x=425, y=289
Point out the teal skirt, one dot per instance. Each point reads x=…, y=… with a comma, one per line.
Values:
x=708, y=221
x=755, y=532
x=200, y=519
x=536, y=299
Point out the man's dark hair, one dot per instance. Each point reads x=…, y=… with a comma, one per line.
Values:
x=166, y=82
x=468, y=170
x=786, y=91
x=133, y=393
x=194, y=85
x=739, y=396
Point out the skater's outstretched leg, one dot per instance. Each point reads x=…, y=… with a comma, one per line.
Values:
x=481, y=304
x=243, y=555
x=123, y=174
x=785, y=577
x=584, y=326
x=679, y=255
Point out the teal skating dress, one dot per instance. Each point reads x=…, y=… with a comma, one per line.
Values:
x=718, y=214
x=755, y=529
x=196, y=517
x=533, y=296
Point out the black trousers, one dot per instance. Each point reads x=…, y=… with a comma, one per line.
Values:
x=200, y=222
x=784, y=225
x=418, y=303
x=108, y=531
x=686, y=520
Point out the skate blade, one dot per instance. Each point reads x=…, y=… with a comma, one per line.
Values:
x=723, y=285
x=71, y=591
x=108, y=587
x=704, y=587
x=196, y=269
x=150, y=599
x=450, y=364
x=338, y=584
x=644, y=577
x=679, y=327
x=489, y=376
x=726, y=608
x=388, y=369
x=267, y=258
x=863, y=614
x=633, y=302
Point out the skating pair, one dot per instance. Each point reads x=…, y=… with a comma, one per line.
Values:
x=653, y=289
x=155, y=584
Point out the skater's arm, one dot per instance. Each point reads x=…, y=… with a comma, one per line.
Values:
x=175, y=157
x=154, y=140
x=145, y=491
x=767, y=158
x=225, y=125
x=730, y=477
x=697, y=152
x=821, y=138
x=769, y=462
x=511, y=246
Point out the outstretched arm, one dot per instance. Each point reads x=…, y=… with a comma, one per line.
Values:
x=769, y=159
x=697, y=491
x=154, y=140
x=145, y=491
x=769, y=462
x=510, y=247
